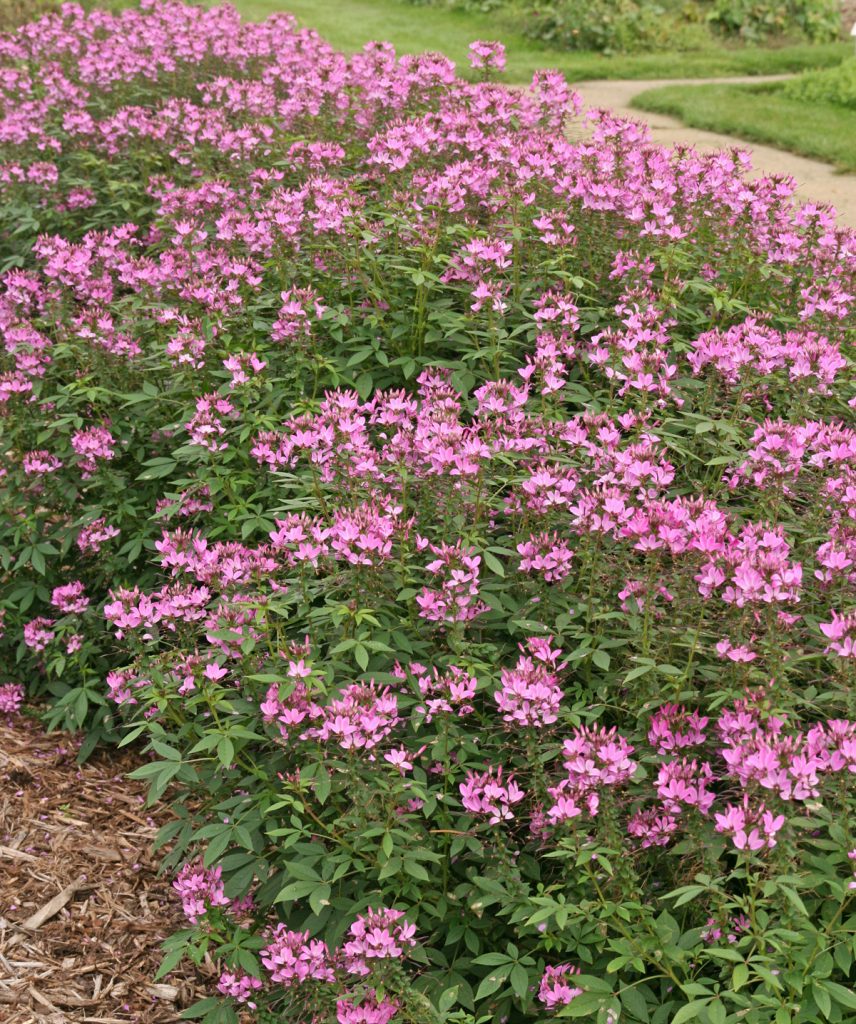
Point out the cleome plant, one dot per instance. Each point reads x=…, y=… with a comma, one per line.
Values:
x=453, y=497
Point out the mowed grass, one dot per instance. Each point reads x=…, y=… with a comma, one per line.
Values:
x=761, y=113
x=349, y=24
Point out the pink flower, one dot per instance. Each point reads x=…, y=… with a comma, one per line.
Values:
x=382, y=934
x=841, y=632
x=41, y=462
x=368, y=1011
x=750, y=828
x=92, y=445
x=239, y=986
x=200, y=889
x=594, y=758
x=742, y=653
x=485, y=793
x=399, y=758
x=673, y=727
x=546, y=554
x=91, y=537
x=487, y=56
x=529, y=695
x=683, y=783
x=359, y=718
x=556, y=988
x=38, y=634
x=450, y=691
x=11, y=698
x=70, y=598
x=653, y=827
x=293, y=958
x=456, y=600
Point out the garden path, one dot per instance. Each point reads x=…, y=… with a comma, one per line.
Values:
x=818, y=182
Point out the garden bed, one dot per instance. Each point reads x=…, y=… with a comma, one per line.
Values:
x=460, y=518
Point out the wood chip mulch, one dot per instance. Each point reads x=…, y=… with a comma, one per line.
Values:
x=82, y=910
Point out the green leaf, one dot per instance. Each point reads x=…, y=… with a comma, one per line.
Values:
x=493, y=981
x=716, y=1012
x=823, y=1000
x=322, y=787
x=494, y=564
x=520, y=981
x=415, y=870
x=843, y=996
x=795, y=900
x=634, y=1002
x=296, y=891
x=739, y=976
x=361, y=656
x=226, y=752
x=200, y=1009
x=157, y=468
x=582, y=1006
x=689, y=1011
x=687, y=893
x=215, y=848
x=491, y=959
x=448, y=999
x=169, y=962
x=319, y=898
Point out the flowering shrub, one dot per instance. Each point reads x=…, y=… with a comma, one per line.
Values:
x=463, y=516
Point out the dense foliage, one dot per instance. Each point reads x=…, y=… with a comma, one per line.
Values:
x=632, y=26
x=836, y=85
x=756, y=20
x=460, y=508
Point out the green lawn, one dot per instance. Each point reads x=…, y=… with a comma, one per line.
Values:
x=348, y=24
x=761, y=113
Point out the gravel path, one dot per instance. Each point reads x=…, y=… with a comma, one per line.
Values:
x=818, y=182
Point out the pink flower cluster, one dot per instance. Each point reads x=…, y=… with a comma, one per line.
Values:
x=239, y=986
x=458, y=570
x=530, y=694
x=487, y=56
x=594, y=758
x=293, y=958
x=11, y=698
x=382, y=934
x=486, y=794
x=92, y=445
x=751, y=827
x=368, y=1010
x=70, y=598
x=450, y=691
x=200, y=890
x=556, y=988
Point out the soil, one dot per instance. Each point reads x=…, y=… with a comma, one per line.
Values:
x=818, y=182
x=82, y=909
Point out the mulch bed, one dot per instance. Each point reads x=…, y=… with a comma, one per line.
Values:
x=82, y=910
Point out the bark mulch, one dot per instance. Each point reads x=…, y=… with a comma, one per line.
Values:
x=82, y=910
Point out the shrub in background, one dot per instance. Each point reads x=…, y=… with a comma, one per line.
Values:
x=758, y=20
x=463, y=518
x=614, y=26
x=646, y=26
x=833, y=85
